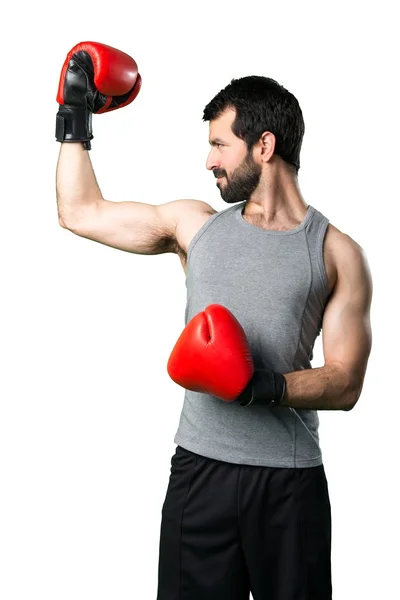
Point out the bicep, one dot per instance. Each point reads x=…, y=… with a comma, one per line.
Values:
x=131, y=226
x=346, y=326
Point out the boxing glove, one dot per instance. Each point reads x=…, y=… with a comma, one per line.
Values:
x=212, y=355
x=95, y=78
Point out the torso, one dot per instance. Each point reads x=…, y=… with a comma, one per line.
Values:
x=194, y=222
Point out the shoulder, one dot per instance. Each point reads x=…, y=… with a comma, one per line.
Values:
x=343, y=247
x=349, y=258
x=179, y=209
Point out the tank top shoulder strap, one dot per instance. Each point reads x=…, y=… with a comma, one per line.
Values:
x=315, y=232
x=208, y=224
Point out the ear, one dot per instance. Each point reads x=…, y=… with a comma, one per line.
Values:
x=267, y=142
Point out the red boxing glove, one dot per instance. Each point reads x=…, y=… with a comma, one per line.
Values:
x=95, y=78
x=212, y=355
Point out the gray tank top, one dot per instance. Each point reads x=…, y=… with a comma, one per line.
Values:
x=275, y=284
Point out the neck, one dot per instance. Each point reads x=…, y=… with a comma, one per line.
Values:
x=277, y=199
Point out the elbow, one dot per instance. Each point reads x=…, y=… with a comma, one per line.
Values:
x=61, y=214
x=67, y=224
x=349, y=406
x=351, y=400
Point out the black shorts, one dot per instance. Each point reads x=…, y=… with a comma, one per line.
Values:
x=228, y=530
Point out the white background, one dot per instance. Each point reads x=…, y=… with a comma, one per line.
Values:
x=88, y=413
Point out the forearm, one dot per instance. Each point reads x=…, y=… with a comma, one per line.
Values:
x=76, y=184
x=324, y=388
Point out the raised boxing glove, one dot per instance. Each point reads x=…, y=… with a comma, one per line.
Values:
x=95, y=78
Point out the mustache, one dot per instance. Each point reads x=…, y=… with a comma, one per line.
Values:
x=218, y=173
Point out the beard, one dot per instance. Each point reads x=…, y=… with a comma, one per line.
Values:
x=241, y=183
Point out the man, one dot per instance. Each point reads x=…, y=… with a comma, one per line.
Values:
x=247, y=506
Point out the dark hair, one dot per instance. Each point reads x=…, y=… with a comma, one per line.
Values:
x=262, y=104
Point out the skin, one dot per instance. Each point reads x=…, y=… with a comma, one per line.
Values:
x=276, y=203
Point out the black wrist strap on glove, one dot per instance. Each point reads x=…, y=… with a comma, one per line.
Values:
x=266, y=387
x=74, y=124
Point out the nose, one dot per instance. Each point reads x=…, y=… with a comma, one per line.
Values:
x=213, y=161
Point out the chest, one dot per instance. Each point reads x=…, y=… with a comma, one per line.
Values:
x=192, y=228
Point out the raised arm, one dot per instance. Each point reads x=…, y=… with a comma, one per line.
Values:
x=97, y=78
x=131, y=226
